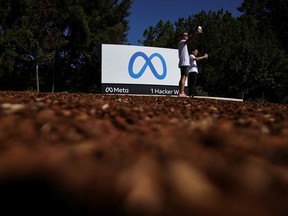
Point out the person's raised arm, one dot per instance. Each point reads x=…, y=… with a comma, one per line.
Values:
x=205, y=56
x=199, y=31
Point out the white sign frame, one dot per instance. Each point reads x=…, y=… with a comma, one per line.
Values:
x=139, y=70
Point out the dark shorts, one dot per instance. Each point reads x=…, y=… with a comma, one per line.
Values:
x=184, y=70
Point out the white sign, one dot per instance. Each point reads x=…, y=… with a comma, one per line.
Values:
x=133, y=66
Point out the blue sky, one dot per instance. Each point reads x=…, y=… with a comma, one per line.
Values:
x=145, y=13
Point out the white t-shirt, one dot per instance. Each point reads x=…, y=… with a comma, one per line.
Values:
x=193, y=64
x=183, y=54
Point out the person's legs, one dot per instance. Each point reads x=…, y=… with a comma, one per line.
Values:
x=190, y=84
x=182, y=86
x=184, y=74
x=193, y=82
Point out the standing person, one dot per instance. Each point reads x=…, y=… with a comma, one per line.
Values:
x=184, y=61
x=193, y=71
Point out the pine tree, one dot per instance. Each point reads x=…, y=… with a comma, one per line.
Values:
x=29, y=34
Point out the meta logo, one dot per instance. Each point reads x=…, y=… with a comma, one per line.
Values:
x=148, y=63
x=116, y=90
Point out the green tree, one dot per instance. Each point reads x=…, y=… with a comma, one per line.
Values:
x=31, y=40
x=271, y=14
x=85, y=25
x=272, y=25
x=9, y=15
x=162, y=35
x=37, y=37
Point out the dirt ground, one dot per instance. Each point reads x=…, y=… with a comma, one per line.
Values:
x=92, y=154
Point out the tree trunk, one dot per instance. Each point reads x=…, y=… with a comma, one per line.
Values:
x=53, y=74
x=37, y=78
x=53, y=81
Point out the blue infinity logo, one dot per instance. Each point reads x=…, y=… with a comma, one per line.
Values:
x=147, y=63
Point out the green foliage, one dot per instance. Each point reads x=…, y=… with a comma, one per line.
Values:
x=162, y=35
x=87, y=25
x=63, y=37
